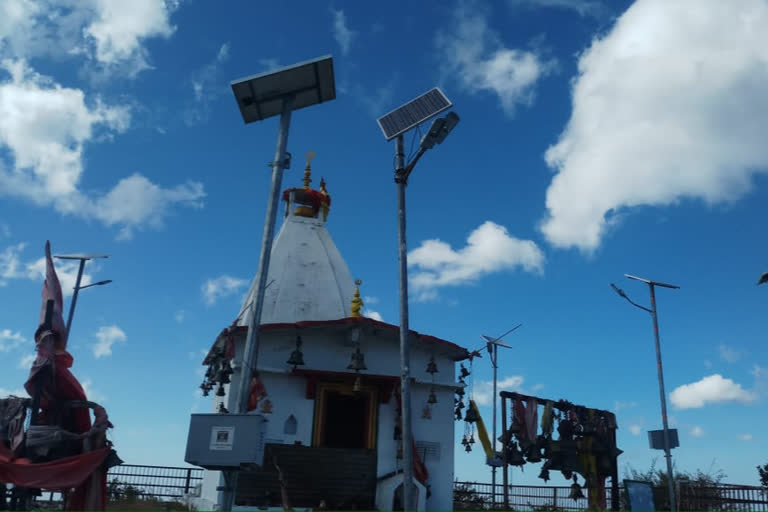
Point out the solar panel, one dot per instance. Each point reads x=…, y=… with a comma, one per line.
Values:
x=413, y=113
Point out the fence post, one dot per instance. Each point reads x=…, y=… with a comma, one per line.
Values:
x=187, y=481
x=554, y=498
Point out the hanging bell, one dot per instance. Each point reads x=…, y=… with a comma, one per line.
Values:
x=226, y=367
x=471, y=415
x=533, y=454
x=576, y=493
x=296, y=359
x=222, y=377
x=514, y=456
x=204, y=387
x=357, y=385
x=358, y=361
x=458, y=414
x=222, y=409
x=464, y=440
x=460, y=391
x=471, y=439
x=220, y=390
x=432, y=366
x=544, y=474
x=461, y=405
x=468, y=448
x=570, y=462
x=210, y=372
x=432, y=397
x=464, y=372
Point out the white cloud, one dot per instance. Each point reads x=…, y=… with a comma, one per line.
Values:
x=341, y=32
x=25, y=363
x=697, y=431
x=10, y=263
x=107, y=335
x=483, y=390
x=109, y=34
x=711, y=389
x=90, y=393
x=66, y=270
x=636, y=430
x=729, y=354
x=489, y=249
x=475, y=54
x=745, y=437
x=583, y=7
x=10, y=340
x=666, y=106
x=375, y=315
x=207, y=86
x=179, y=316
x=370, y=300
x=220, y=287
x=537, y=387
x=43, y=130
x=15, y=392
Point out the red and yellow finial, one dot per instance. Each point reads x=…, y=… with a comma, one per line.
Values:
x=357, y=302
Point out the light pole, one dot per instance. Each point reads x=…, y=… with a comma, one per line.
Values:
x=763, y=278
x=83, y=258
x=260, y=97
x=493, y=352
x=394, y=125
x=667, y=449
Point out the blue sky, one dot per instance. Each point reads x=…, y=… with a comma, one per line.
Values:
x=596, y=138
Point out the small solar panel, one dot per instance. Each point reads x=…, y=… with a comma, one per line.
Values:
x=413, y=113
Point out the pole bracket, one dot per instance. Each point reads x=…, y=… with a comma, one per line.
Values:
x=286, y=163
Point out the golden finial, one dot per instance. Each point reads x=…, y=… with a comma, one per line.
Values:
x=322, y=187
x=357, y=302
x=308, y=169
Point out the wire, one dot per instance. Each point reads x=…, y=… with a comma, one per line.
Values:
x=413, y=141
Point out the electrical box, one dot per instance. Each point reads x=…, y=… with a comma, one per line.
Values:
x=656, y=439
x=226, y=441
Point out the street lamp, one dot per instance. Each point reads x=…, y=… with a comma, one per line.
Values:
x=394, y=125
x=492, y=346
x=83, y=258
x=763, y=278
x=652, y=310
x=260, y=97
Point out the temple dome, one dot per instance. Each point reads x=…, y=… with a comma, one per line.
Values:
x=308, y=278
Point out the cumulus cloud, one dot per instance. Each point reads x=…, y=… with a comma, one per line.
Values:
x=341, y=32
x=107, y=336
x=43, y=130
x=490, y=248
x=91, y=393
x=666, y=106
x=583, y=7
x=12, y=267
x=711, y=389
x=220, y=287
x=636, y=430
x=474, y=53
x=9, y=340
x=729, y=354
x=375, y=315
x=108, y=34
x=25, y=363
x=483, y=390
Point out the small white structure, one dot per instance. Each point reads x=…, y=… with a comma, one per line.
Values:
x=333, y=430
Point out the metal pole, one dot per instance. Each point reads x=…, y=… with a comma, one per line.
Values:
x=405, y=375
x=667, y=451
x=250, y=356
x=494, y=360
x=74, y=297
x=505, y=472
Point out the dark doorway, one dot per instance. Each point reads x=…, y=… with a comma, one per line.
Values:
x=345, y=422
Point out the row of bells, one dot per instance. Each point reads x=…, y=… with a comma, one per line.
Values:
x=220, y=376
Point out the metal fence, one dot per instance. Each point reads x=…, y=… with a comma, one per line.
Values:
x=159, y=482
x=480, y=496
x=722, y=497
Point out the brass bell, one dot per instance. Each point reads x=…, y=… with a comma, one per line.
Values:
x=464, y=440
x=570, y=462
x=205, y=388
x=514, y=456
x=468, y=448
x=296, y=359
x=464, y=372
x=220, y=390
x=576, y=493
x=544, y=474
x=460, y=405
x=458, y=413
x=358, y=361
x=471, y=439
x=533, y=454
x=357, y=385
x=471, y=415
x=460, y=391
x=432, y=397
x=223, y=377
x=432, y=366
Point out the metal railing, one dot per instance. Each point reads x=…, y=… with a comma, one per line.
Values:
x=479, y=496
x=158, y=482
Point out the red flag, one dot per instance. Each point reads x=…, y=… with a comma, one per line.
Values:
x=52, y=290
x=257, y=391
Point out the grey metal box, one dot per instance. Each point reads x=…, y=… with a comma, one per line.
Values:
x=656, y=439
x=225, y=441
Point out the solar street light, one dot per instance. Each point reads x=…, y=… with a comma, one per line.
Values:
x=260, y=97
x=394, y=125
x=82, y=258
x=763, y=278
x=652, y=310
